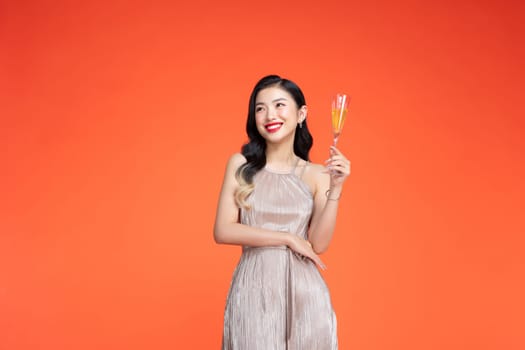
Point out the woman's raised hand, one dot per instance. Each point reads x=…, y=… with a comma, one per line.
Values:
x=338, y=167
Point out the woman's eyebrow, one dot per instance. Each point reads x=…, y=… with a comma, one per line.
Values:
x=276, y=100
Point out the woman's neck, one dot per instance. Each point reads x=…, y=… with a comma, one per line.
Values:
x=280, y=155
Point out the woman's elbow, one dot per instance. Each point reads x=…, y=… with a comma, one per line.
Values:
x=318, y=249
x=218, y=235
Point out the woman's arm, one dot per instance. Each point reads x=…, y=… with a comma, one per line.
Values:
x=325, y=207
x=228, y=230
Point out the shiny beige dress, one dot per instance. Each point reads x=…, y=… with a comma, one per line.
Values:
x=277, y=299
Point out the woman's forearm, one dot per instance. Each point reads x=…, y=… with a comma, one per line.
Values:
x=322, y=230
x=244, y=235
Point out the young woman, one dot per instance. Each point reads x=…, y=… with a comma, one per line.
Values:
x=282, y=210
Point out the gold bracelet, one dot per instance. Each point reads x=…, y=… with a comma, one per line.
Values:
x=331, y=199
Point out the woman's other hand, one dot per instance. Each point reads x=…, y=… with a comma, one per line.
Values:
x=304, y=248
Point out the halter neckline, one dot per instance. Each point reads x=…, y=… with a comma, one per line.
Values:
x=291, y=171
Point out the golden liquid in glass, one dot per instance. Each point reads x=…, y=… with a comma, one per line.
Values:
x=338, y=119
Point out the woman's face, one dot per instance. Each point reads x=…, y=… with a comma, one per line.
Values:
x=277, y=114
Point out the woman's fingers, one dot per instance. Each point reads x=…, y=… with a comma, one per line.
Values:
x=340, y=162
x=336, y=158
x=334, y=150
x=341, y=165
x=316, y=259
x=305, y=249
x=319, y=263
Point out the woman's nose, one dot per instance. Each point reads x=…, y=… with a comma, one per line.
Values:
x=272, y=113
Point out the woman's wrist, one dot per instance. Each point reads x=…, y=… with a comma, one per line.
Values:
x=285, y=238
x=334, y=193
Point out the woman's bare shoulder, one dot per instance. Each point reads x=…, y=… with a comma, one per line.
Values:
x=315, y=170
x=315, y=176
x=236, y=160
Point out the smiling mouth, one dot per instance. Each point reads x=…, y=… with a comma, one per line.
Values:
x=273, y=127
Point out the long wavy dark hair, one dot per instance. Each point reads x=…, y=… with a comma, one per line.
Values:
x=255, y=149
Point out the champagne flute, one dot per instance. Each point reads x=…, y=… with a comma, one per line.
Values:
x=340, y=104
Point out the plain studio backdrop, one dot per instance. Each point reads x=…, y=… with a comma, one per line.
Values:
x=118, y=117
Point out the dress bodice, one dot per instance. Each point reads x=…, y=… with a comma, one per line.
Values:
x=279, y=202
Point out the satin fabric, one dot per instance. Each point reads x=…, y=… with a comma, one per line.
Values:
x=278, y=299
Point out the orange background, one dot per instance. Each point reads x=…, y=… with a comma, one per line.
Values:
x=117, y=119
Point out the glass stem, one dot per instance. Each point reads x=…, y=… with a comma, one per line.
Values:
x=335, y=145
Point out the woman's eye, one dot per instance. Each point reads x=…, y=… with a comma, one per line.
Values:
x=280, y=104
x=258, y=109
